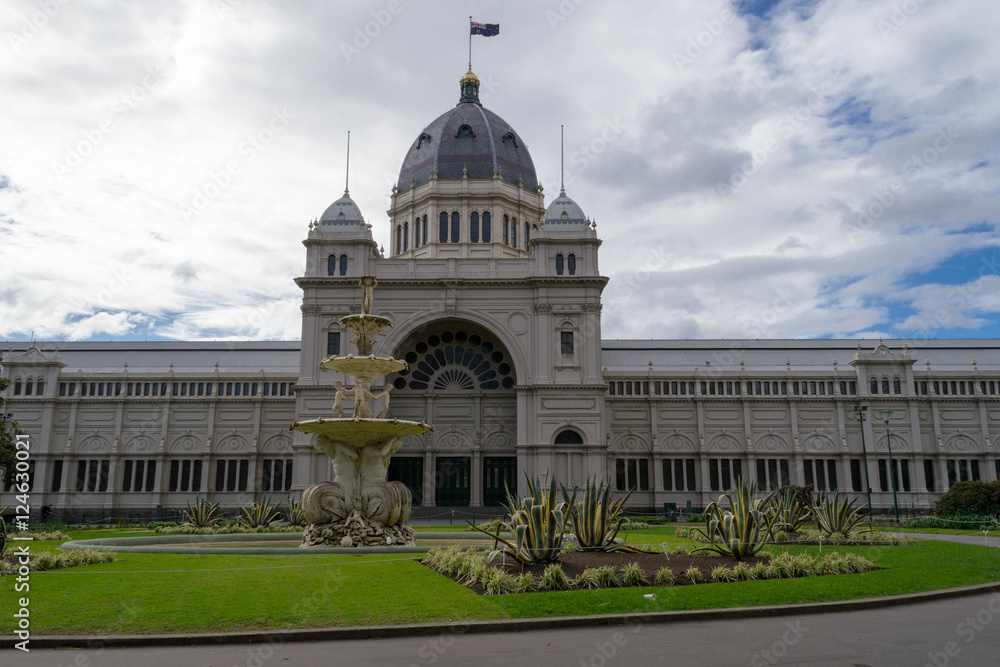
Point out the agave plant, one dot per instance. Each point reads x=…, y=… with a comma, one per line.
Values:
x=295, y=515
x=787, y=512
x=3, y=537
x=203, y=514
x=259, y=514
x=597, y=518
x=537, y=523
x=741, y=530
x=838, y=515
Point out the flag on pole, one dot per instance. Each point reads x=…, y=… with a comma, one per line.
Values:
x=485, y=29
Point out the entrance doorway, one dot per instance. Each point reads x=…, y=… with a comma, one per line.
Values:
x=452, y=481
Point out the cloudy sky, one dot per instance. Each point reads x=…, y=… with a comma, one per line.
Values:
x=757, y=169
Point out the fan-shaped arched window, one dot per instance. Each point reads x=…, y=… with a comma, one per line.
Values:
x=487, y=232
x=571, y=264
x=343, y=265
x=331, y=265
x=568, y=437
x=506, y=232
x=559, y=264
x=474, y=228
x=456, y=230
x=443, y=228
x=406, y=236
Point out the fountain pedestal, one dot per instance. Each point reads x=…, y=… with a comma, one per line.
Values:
x=359, y=508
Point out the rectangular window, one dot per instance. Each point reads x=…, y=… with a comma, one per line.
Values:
x=929, y=473
x=856, y=475
x=904, y=468
x=726, y=480
x=620, y=475
x=952, y=477
x=713, y=474
x=92, y=476
x=81, y=475
x=668, y=478
x=231, y=475
x=127, y=477
x=831, y=473
x=175, y=469
x=772, y=473
x=57, y=473
x=332, y=343
x=883, y=476
x=566, y=342
x=244, y=474
x=689, y=472
x=185, y=474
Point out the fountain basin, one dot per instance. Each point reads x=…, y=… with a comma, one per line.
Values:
x=360, y=432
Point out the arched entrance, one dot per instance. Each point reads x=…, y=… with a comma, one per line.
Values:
x=460, y=380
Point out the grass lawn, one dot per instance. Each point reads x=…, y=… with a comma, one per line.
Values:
x=151, y=593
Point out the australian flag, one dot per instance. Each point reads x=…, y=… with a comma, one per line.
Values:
x=485, y=29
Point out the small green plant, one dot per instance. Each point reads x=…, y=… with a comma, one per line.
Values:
x=524, y=583
x=258, y=515
x=607, y=577
x=721, y=573
x=837, y=515
x=633, y=575
x=665, y=576
x=780, y=536
x=760, y=571
x=588, y=578
x=693, y=574
x=743, y=572
x=203, y=514
x=498, y=582
x=554, y=579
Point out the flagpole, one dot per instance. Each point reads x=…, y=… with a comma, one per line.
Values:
x=347, y=172
x=562, y=161
x=470, y=43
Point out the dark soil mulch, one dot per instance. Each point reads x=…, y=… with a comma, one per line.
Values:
x=575, y=563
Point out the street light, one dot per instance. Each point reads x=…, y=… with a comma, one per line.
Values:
x=886, y=415
x=861, y=411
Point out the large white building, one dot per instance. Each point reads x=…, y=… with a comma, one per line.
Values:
x=496, y=302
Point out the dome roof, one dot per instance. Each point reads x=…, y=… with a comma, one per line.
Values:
x=468, y=140
x=342, y=212
x=564, y=211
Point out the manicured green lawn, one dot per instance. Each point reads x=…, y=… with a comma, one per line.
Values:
x=149, y=593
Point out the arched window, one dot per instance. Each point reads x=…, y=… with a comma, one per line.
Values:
x=559, y=264
x=474, y=228
x=513, y=232
x=331, y=265
x=571, y=264
x=17, y=387
x=487, y=232
x=425, y=230
x=897, y=386
x=527, y=235
x=40, y=388
x=416, y=232
x=343, y=265
x=568, y=437
x=456, y=230
x=406, y=236
x=874, y=386
x=443, y=228
x=28, y=386
x=885, y=385
x=506, y=232
x=399, y=238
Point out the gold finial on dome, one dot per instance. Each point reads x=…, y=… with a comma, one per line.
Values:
x=470, y=87
x=470, y=76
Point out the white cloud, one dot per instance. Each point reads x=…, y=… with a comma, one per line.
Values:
x=162, y=96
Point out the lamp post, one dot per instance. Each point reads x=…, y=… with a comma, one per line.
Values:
x=886, y=415
x=861, y=411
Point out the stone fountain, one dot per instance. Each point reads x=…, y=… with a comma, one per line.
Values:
x=359, y=508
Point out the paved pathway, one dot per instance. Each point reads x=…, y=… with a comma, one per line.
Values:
x=962, y=631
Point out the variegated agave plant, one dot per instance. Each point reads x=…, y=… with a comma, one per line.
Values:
x=203, y=514
x=838, y=515
x=536, y=524
x=786, y=510
x=295, y=515
x=597, y=518
x=740, y=531
x=259, y=514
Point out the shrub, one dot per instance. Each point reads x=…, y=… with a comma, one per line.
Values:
x=837, y=515
x=607, y=577
x=743, y=572
x=693, y=574
x=554, y=579
x=981, y=498
x=524, y=583
x=537, y=523
x=741, y=530
x=497, y=582
x=722, y=573
x=203, y=514
x=781, y=536
x=259, y=514
x=665, y=576
x=633, y=524
x=633, y=575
